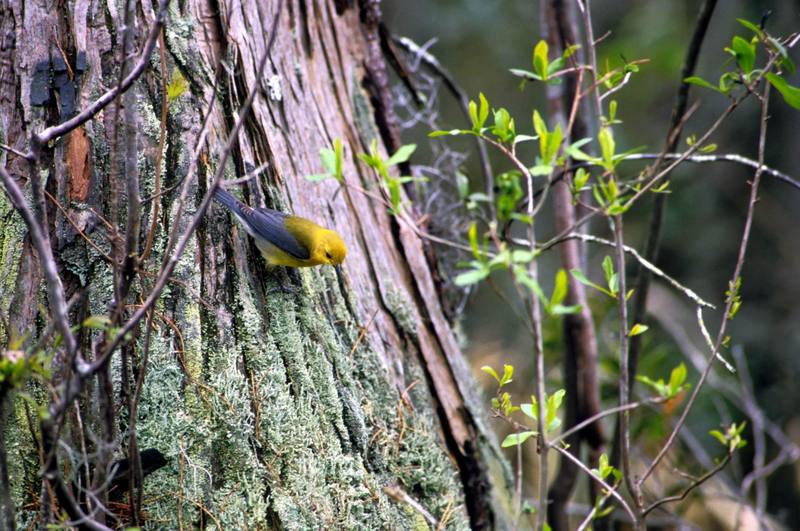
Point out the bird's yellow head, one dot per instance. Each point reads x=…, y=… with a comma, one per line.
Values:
x=331, y=249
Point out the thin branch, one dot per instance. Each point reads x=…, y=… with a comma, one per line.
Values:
x=605, y=413
x=402, y=496
x=55, y=290
x=703, y=330
x=733, y=282
x=624, y=381
x=596, y=478
x=586, y=13
x=722, y=157
x=696, y=483
x=689, y=293
x=162, y=138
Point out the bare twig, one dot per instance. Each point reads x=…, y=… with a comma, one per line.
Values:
x=696, y=483
x=55, y=290
x=605, y=413
x=721, y=157
x=624, y=381
x=596, y=478
x=733, y=282
x=399, y=495
x=689, y=293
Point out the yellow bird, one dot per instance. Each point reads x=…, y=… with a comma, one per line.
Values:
x=286, y=240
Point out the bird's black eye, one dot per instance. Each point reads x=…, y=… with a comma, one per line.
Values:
x=327, y=255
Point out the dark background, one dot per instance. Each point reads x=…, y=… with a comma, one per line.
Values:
x=479, y=40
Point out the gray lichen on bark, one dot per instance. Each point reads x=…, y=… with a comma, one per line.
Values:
x=274, y=410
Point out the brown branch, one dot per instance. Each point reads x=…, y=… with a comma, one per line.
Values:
x=733, y=282
x=624, y=381
x=580, y=352
x=605, y=413
x=722, y=157
x=598, y=479
x=40, y=240
x=696, y=483
x=162, y=138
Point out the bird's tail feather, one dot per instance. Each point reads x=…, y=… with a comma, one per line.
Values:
x=227, y=199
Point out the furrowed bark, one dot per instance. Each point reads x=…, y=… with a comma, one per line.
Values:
x=280, y=411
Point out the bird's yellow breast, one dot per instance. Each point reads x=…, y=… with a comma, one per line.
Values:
x=324, y=245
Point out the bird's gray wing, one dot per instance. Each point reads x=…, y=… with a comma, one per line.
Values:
x=266, y=224
x=269, y=225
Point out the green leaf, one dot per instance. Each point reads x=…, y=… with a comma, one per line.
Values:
x=473, y=115
x=554, y=401
x=524, y=138
x=560, y=309
x=328, y=158
x=745, y=54
x=530, y=409
x=483, y=112
x=580, y=179
x=338, y=150
x=177, y=86
x=676, y=378
x=538, y=124
x=522, y=218
x=473, y=240
x=553, y=143
x=471, y=277
x=508, y=373
x=638, y=329
x=525, y=74
x=573, y=150
x=515, y=439
x=503, y=125
x=658, y=386
x=462, y=185
x=580, y=277
x=491, y=371
x=527, y=281
x=98, y=322
x=519, y=256
x=607, y=147
x=608, y=268
x=451, y=132
x=699, y=81
x=401, y=155
x=540, y=59
x=541, y=169
x=718, y=435
x=791, y=95
x=560, y=288
x=785, y=61
x=752, y=27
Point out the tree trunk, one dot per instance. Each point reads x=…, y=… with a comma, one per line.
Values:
x=324, y=408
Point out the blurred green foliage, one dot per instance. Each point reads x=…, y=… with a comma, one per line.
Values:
x=479, y=41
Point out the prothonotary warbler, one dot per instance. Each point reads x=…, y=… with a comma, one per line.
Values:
x=286, y=240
